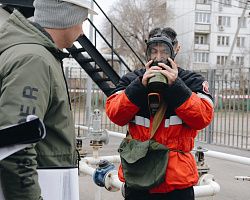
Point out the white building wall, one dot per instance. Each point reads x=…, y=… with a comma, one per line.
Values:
x=234, y=13
x=183, y=21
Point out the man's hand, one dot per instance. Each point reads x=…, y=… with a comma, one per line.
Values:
x=170, y=73
x=149, y=72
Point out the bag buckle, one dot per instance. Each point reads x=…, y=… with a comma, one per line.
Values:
x=154, y=100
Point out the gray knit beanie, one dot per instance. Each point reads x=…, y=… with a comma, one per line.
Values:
x=58, y=14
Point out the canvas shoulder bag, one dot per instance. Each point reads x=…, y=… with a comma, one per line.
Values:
x=144, y=163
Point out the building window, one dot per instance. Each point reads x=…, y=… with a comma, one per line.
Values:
x=201, y=57
x=243, y=24
x=226, y=3
x=224, y=21
x=239, y=60
x=200, y=39
x=223, y=40
x=203, y=2
x=201, y=17
x=240, y=42
x=242, y=4
x=221, y=60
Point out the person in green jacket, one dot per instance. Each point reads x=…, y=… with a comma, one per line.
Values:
x=32, y=82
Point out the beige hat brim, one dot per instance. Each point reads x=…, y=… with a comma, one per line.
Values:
x=84, y=4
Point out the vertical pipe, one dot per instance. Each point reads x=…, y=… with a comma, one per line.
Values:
x=89, y=80
x=234, y=113
x=217, y=109
x=230, y=113
x=248, y=109
x=209, y=132
x=224, y=105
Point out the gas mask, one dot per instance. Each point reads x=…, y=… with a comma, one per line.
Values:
x=159, y=49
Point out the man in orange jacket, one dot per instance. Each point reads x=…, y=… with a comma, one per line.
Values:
x=189, y=109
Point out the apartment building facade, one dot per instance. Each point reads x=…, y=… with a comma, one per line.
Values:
x=207, y=30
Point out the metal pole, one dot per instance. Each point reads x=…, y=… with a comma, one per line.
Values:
x=95, y=161
x=211, y=76
x=89, y=98
x=228, y=157
x=89, y=80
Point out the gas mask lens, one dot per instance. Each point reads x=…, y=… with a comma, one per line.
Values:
x=158, y=51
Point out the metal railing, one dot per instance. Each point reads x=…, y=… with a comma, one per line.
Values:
x=231, y=91
x=110, y=43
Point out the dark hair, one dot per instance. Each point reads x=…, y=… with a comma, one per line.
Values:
x=161, y=32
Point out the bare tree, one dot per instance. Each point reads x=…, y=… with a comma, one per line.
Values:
x=134, y=19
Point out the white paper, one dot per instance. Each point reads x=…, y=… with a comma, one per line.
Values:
x=7, y=151
x=59, y=184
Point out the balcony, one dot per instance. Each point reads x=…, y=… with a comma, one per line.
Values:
x=205, y=7
x=202, y=28
x=202, y=47
x=201, y=66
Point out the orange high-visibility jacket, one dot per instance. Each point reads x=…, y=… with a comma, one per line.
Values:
x=189, y=109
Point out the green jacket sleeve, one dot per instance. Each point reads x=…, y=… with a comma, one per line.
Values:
x=19, y=176
x=25, y=89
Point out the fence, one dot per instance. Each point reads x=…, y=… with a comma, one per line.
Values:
x=231, y=91
x=229, y=87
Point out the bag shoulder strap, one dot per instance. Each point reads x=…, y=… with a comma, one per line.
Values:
x=156, y=121
x=158, y=118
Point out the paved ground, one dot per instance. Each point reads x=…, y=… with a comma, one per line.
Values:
x=223, y=171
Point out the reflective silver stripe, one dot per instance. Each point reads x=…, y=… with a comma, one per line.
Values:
x=173, y=120
x=203, y=96
x=119, y=92
x=142, y=121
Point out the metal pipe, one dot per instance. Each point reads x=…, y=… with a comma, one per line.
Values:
x=243, y=178
x=229, y=157
x=116, y=134
x=206, y=190
x=215, y=154
x=111, y=133
x=94, y=161
x=83, y=127
x=207, y=186
x=116, y=182
x=85, y=168
x=112, y=179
